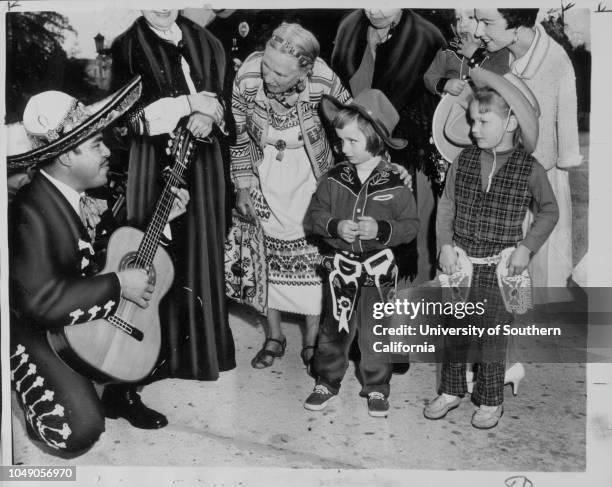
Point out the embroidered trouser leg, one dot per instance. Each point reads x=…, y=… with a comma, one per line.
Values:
x=331, y=355
x=60, y=407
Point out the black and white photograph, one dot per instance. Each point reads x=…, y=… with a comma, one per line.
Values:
x=309, y=244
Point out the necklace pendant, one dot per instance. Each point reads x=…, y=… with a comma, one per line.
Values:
x=280, y=147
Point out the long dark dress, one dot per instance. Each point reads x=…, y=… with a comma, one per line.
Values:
x=197, y=341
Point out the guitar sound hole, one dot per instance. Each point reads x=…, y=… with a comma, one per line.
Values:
x=129, y=262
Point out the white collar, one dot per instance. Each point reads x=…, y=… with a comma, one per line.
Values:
x=519, y=65
x=71, y=194
x=174, y=34
x=366, y=168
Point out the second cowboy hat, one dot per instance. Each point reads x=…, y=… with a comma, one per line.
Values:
x=451, y=128
x=373, y=105
x=55, y=122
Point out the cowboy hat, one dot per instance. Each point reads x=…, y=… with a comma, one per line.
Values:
x=450, y=149
x=451, y=132
x=55, y=122
x=375, y=107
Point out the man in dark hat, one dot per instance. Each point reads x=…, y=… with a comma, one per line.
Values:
x=54, y=269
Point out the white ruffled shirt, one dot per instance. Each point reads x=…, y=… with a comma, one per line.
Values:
x=163, y=115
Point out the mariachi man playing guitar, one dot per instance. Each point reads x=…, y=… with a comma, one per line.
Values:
x=54, y=273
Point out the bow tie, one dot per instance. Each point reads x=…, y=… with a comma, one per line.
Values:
x=90, y=210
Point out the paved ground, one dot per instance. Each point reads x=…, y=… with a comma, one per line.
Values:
x=255, y=418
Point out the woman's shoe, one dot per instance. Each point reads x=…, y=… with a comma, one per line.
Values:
x=514, y=375
x=261, y=361
x=469, y=379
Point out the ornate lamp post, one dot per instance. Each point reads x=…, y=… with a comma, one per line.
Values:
x=103, y=63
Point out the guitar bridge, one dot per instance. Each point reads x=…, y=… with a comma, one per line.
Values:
x=125, y=327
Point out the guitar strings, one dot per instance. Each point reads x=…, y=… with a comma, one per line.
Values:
x=148, y=248
x=150, y=242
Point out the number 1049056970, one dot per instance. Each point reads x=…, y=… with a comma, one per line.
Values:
x=24, y=472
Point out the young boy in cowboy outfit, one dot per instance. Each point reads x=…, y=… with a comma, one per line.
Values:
x=54, y=269
x=489, y=188
x=361, y=209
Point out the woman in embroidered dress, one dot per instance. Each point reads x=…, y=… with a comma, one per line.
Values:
x=546, y=69
x=279, y=154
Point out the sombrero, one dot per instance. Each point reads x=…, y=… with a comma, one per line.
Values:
x=451, y=128
x=375, y=107
x=55, y=122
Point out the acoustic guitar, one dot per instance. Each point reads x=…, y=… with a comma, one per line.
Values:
x=124, y=347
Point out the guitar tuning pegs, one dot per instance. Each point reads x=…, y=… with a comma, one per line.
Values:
x=168, y=151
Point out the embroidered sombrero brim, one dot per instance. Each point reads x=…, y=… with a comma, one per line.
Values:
x=330, y=107
x=21, y=155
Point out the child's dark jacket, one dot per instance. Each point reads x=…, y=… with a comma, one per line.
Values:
x=384, y=197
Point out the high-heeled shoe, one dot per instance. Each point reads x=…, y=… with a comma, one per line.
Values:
x=469, y=379
x=514, y=375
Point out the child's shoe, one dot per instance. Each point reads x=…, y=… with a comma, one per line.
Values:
x=440, y=406
x=378, y=405
x=487, y=417
x=319, y=398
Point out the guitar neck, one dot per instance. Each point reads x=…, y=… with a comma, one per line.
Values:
x=175, y=177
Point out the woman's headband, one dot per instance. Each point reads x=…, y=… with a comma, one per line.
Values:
x=289, y=48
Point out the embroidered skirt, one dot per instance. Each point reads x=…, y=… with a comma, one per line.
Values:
x=287, y=185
